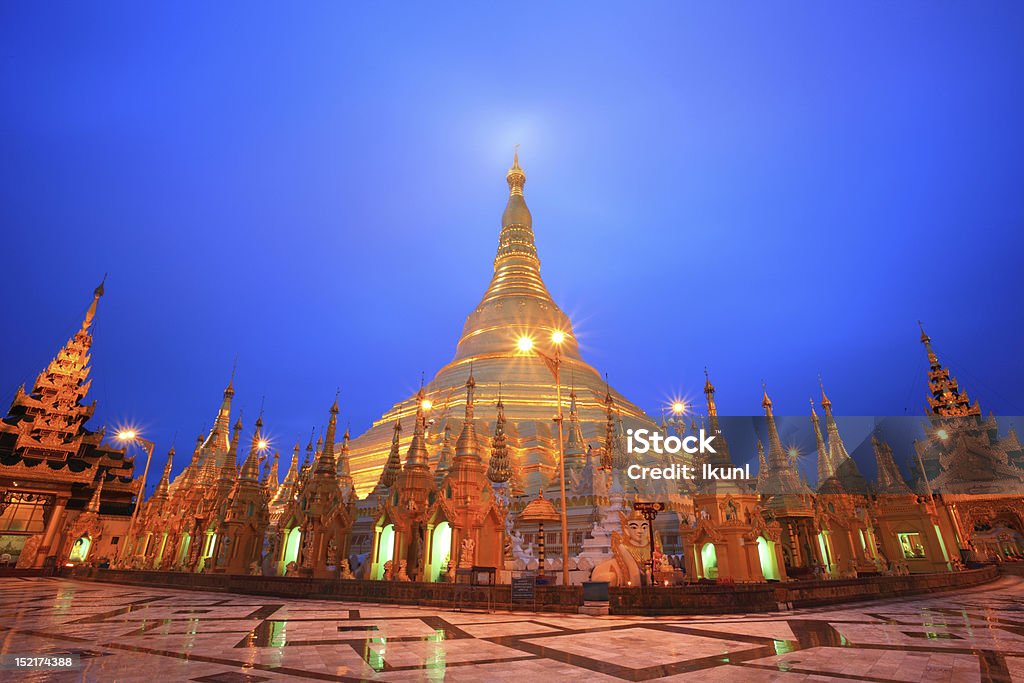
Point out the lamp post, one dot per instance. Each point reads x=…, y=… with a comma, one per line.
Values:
x=554, y=363
x=126, y=437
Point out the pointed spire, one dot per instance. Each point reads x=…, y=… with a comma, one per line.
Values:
x=842, y=465
x=776, y=455
x=608, y=455
x=825, y=469
x=517, y=224
x=499, y=468
x=947, y=398
x=709, y=391
x=890, y=479
x=575, y=454
x=97, y=493
x=218, y=438
x=721, y=457
x=272, y=481
x=91, y=312
x=444, y=460
x=515, y=177
x=762, y=464
x=782, y=476
x=327, y=465
x=343, y=463
x=250, y=472
x=417, y=456
x=468, y=446
x=163, y=486
x=394, y=463
x=286, y=491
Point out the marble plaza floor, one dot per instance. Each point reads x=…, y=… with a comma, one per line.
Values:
x=127, y=633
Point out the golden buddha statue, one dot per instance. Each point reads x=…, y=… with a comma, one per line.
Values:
x=631, y=553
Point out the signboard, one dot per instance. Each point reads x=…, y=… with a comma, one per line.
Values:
x=649, y=507
x=524, y=589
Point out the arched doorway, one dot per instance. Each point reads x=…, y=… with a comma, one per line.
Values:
x=825, y=545
x=709, y=559
x=80, y=550
x=769, y=562
x=292, y=543
x=440, y=548
x=186, y=541
x=385, y=549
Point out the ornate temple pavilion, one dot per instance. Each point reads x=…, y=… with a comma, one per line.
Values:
x=57, y=478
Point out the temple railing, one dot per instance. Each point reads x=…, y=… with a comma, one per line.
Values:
x=687, y=599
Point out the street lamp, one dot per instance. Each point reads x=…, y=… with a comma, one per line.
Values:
x=131, y=436
x=525, y=345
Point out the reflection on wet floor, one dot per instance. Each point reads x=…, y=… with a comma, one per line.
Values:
x=128, y=634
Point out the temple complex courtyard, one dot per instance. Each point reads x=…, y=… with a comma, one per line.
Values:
x=128, y=633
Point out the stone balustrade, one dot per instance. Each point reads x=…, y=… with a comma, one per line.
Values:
x=689, y=599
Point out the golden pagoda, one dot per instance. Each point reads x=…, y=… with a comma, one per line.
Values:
x=515, y=305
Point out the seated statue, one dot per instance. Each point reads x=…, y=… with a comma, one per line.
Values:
x=345, y=571
x=402, y=575
x=630, y=553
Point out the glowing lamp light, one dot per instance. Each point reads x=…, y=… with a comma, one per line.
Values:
x=262, y=444
x=678, y=408
x=942, y=434
x=127, y=435
x=426, y=404
x=793, y=452
x=524, y=344
x=557, y=337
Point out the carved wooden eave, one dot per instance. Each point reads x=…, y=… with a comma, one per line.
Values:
x=86, y=523
x=704, y=531
x=41, y=472
x=772, y=531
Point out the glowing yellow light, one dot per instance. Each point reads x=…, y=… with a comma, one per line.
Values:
x=678, y=407
x=262, y=444
x=127, y=435
x=557, y=337
x=524, y=344
x=942, y=434
x=793, y=452
x=426, y=404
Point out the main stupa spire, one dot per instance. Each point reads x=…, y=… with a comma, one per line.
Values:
x=516, y=297
x=515, y=306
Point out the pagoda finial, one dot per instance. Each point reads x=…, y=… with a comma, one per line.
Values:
x=326, y=465
x=163, y=485
x=94, y=501
x=515, y=177
x=709, y=391
x=394, y=463
x=467, y=445
x=825, y=403
x=91, y=312
x=927, y=341
x=470, y=393
x=499, y=468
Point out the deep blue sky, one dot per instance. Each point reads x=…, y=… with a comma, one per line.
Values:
x=771, y=191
